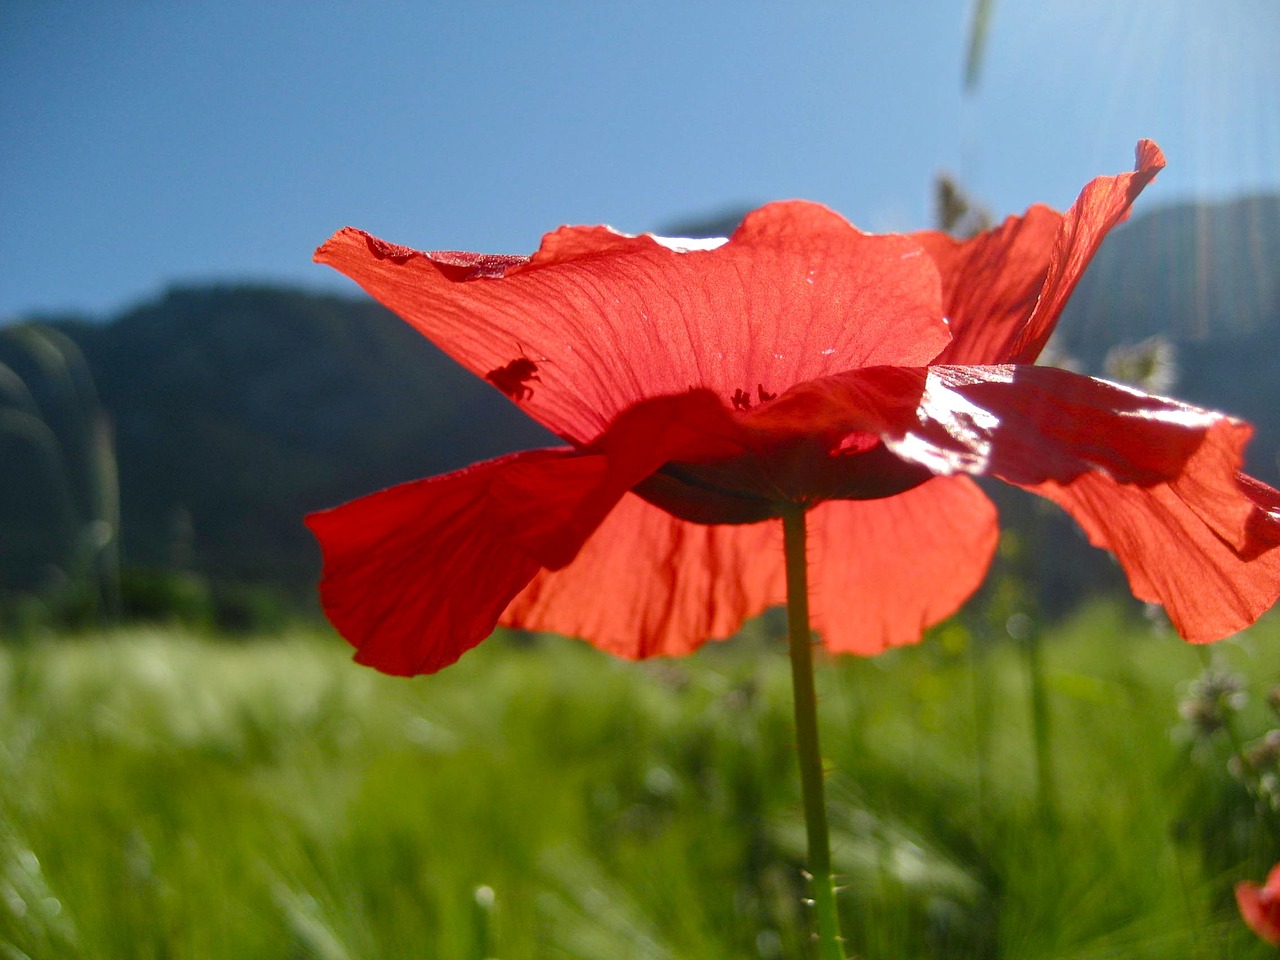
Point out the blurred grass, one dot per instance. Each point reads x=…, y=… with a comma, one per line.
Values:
x=164, y=795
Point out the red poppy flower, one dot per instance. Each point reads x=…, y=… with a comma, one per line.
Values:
x=701, y=387
x=1260, y=906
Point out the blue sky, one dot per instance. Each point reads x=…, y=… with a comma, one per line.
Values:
x=143, y=144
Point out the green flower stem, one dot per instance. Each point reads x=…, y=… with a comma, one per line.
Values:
x=815, y=810
x=1046, y=791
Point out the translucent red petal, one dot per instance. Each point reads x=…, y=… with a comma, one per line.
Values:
x=1260, y=909
x=1154, y=481
x=1004, y=290
x=416, y=575
x=647, y=584
x=609, y=320
x=882, y=571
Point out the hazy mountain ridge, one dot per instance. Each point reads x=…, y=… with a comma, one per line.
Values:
x=239, y=409
x=1207, y=279
x=1189, y=272
x=236, y=410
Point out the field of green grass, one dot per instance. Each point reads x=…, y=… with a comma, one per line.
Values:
x=165, y=795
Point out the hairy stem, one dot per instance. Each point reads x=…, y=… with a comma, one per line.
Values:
x=815, y=810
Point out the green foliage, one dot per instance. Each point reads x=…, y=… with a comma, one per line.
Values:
x=163, y=795
x=174, y=597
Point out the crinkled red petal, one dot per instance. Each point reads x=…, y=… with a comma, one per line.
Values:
x=1025, y=424
x=597, y=321
x=1004, y=290
x=1260, y=909
x=818, y=441
x=882, y=571
x=1155, y=481
x=416, y=575
x=1102, y=204
x=990, y=283
x=1021, y=423
x=648, y=584
x=1176, y=550
x=692, y=427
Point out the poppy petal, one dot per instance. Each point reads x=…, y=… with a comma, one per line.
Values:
x=991, y=282
x=648, y=584
x=1175, y=554
x=1023, y=424
x=597, y=321
x=1026, y=424
x=1155, y=481
x=882, y=571
x=1004, y=290
x=418, y=574
x=1102, y=204
x=1260, y=910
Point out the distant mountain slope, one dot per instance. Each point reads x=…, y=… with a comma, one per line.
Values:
x=1207, y=278
x=236, y=410
x=1190, y=272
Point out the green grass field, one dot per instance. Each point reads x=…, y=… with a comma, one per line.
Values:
x=164, y=795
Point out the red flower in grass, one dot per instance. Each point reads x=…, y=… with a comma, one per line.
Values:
x=1260, y=906
x=703, y=388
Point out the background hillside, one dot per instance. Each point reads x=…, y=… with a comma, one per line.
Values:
x=235, y=411
x=1206, y=278
x=232, y=411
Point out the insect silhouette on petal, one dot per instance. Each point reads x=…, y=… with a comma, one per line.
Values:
x=514, y=378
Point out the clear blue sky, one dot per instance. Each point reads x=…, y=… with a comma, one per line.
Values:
x=143, y=144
